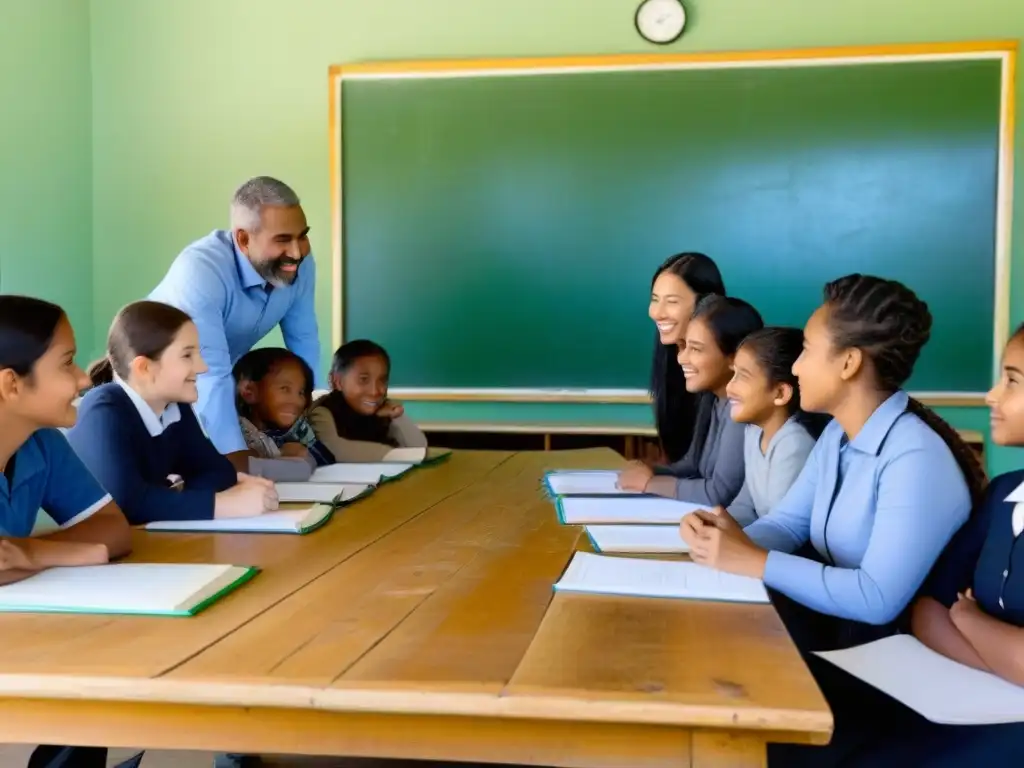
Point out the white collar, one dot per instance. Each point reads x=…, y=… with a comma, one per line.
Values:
x=155, y=424
x=1016, y=495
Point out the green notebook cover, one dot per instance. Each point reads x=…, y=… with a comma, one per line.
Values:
x=247, y=575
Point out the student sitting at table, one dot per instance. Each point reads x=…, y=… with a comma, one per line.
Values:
x=141, y=438
x=274, y=389
x=39, y=382
x=765, y=395
x=880, y=496
x=356, y=421
x=711, y=472
x=678, y=284
x=972, y=609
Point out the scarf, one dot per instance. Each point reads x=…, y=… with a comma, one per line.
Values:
x=267, y=443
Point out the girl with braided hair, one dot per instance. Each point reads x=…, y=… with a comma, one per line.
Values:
x=882, y=493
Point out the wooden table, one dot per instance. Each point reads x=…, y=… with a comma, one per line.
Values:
x=420, y=623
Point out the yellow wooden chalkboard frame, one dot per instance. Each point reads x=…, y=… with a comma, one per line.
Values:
x=1003, y=50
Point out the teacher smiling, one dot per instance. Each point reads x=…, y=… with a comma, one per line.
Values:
x=237, y=286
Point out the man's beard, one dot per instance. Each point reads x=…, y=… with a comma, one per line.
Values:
x=270, y=270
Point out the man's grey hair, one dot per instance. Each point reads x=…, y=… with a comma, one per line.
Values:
x=253, y=195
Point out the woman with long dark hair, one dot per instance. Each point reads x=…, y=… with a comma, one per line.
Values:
x=677, y=286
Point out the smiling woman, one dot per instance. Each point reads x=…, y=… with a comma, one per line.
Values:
x=677, y=285
x=711, y=472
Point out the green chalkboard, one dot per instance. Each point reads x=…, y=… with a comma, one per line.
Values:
x=502, y=231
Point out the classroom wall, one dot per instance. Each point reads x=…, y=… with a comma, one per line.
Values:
x=46, y=156
x=194, y=96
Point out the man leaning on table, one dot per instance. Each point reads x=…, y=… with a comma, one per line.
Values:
x=237, y=286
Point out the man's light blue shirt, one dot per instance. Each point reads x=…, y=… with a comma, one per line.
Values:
x=234, y=307
x=879, y=509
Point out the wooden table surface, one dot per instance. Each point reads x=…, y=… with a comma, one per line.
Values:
x=420, y=623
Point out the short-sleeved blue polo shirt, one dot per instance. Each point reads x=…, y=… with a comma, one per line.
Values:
x=47, y=475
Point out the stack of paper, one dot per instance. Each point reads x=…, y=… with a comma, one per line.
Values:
x=157, y=590
x=361, y=474
x=939, y=689
x=337, y=494
x=587, y=482
x=602, y=510
x=657, y=578
x=286, y=521
x=637, y=539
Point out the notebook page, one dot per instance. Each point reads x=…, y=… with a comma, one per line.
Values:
x=291, y=520
x=645, y=539
x=358, y=473
x=580, y=510
x=406, y=455
x=585, y=483
x=130, y=587
x=312, y=492
x=939, y=689
x=350, y=492
x=657, y=578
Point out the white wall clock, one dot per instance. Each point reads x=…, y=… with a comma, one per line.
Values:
x=661, y=21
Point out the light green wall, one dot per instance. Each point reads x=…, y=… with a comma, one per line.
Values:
x=193, y=96
x=46, y=156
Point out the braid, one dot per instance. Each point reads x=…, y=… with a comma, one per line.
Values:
x=965, y=456
x=884, y=319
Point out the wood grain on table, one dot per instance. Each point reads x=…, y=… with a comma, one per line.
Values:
x=420, y=623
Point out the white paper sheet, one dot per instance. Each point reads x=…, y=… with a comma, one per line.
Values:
x=636, y=510
x=939, y=689
x=318, y=493
x=640, y=539
x=118, y=588
x=285, y=521
x=585, y=483
x=368, y=474
x=657, y=578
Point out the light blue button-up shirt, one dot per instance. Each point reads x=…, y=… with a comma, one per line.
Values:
x=233, y=309
x=879, y=509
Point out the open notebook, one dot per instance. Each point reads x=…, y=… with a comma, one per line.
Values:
x=419, y=456
x=638, y=539
x=132, y=588
x=584, y=482
x=597, y=510
x=312, y=492
x=358, y=473
x=286, y=521
x=657, y=578
x=939, y=689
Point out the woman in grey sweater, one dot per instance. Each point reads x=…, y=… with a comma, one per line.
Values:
x=711, y=472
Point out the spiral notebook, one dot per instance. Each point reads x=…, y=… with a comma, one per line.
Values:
x=158, y=589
